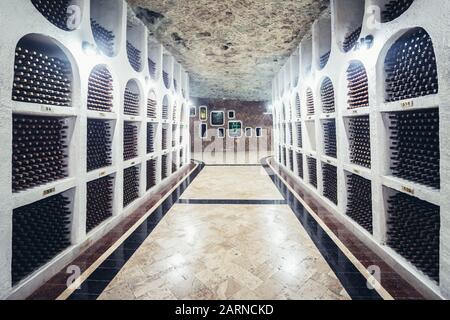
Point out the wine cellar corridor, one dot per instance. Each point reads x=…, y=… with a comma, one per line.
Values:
x=225, y=150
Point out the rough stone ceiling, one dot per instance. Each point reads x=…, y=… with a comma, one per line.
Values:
x=232, y=49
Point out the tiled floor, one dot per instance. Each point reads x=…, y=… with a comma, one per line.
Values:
x=231, y=157
x=246, y=182
x=264, y=245
x=233, y=251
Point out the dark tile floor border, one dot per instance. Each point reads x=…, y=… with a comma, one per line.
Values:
x=232, y=201
x=391, y=281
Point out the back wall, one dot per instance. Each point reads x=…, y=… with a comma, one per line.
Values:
x=252, y=114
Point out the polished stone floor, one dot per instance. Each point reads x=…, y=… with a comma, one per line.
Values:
x=231, y=157
x=228, y=251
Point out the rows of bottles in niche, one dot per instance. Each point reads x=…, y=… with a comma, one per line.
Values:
x=390, y=11
x=42, y=230
x=43, y=75
x=411, y=72
x=410, y=69
x=38, y=158
x=413, y=143
x=413, y=225
x=58, y=14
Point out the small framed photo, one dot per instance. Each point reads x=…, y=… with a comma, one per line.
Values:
x=235, y=129
x=203, y=131
x=221, y=133
x=217, y=118
x=203, y=113
x=258, y=132
x=231, y=114
x=249, y=132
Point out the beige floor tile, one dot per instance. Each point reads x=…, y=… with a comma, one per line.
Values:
x=232, y=183
x=271, y=257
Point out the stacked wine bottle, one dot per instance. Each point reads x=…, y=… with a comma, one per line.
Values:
x=410, y=67
x=40, y=231
x=39, y=151
x=359, y=201
x=134, y=56
x=359, y=130
x=166, y=79
x=151, y=130
x=312, y=171
x=131, y=102
x=394, y=9
x=40, y=78
x=165, y=111
x=330, y=182
x=98, y=144
x=299, y=135
x=280, y=155
x=329, y=132
x=151, y=107
x=291, y=134
x=174, y=112
x=283, y=156
x=164, y=137
x=291, y=160
x=99, y=201
x=174, y=162
x=100, y=90
x=182, y=130
x=151, y=174
x=174, y=135
x=103, y=37
x=358, y=86
x=310, y=102
x=130, y=185
x=413, y=229
x=298, y=108
x=324, y=59
x=300, y=165
x=164, y=166
x=415, y=154
x=152, y=68
x=327, y=96
x=181, y=158
x=54, y=11
x=130, y=141
x=351, y=38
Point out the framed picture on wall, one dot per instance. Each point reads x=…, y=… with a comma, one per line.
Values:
x=203, y=113
x=217, y=118
x=231, y=114
x=235, y=129
x=203, y=131
x=258, y=132
x=221, y=133
x=248, y=132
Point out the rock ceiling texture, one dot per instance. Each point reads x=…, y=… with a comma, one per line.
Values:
x=231, y=48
